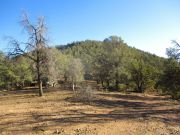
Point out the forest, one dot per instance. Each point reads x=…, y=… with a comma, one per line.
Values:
x=87, y=84
x=113, y=64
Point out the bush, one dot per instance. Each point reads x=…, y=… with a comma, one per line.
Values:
x=84, y=94
x=176, y=95
x=151, y=90
x=131, y=86
x=122, y=87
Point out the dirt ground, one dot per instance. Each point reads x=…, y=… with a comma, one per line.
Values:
x=23, y=112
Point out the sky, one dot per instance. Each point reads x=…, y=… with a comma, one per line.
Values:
x=149, y=25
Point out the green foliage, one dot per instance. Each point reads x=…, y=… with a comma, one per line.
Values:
x=57, y=64
x=14, y=72
x=75, y=71
x=132, y=86
x=113, y=62
x=171, y=78
x=143, y=74
x=87, y=51
x=22, y=70
x=122, y=87
x=7, y=72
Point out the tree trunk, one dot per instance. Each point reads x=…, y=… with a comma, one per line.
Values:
x=53, y=84
x=117, y=84
x=23, y=84
x=117, y=81
x=65, y=79
x=73, y=86
x=107, y=83
x=98, y=81
x=39, y=78
x=102, y=83
x=140, y=87
x=40, y=89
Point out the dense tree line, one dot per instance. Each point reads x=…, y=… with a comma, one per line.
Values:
x=112, y=63
x=117, y=66
x=20, y=71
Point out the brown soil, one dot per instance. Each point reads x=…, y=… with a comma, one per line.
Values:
x=23, y=112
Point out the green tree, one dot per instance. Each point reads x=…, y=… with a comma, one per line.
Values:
x=7, y=73
x=171, y=78
x=108, y=61
x=22, y=69
x=57, y=65
x=75, y=72
x=2, y=70
x=142, y=74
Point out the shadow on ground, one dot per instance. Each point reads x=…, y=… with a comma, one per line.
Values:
x=114, y=106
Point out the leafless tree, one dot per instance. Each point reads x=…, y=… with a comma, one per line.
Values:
x=174, y=52
x=34, y=48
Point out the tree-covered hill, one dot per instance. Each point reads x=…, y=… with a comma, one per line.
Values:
x=114, y=64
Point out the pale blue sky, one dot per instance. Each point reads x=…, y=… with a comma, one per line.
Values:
x=149, y=25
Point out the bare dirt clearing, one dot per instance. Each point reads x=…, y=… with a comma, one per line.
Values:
x=22, y=112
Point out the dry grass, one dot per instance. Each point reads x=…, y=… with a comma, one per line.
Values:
x=23, y=112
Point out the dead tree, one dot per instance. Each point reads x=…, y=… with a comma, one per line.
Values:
x=34, y=48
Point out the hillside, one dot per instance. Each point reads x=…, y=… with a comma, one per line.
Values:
x=113, y=63
x=89, y=49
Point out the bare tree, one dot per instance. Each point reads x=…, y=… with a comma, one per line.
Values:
x=174, y=52
x=34, y=48
x=54, y=65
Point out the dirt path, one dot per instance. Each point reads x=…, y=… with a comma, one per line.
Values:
x=22, y=112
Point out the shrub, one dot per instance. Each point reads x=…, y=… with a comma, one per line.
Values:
x=176, y=95
x=131, y=86
x=122, y=87
x=84, y=94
